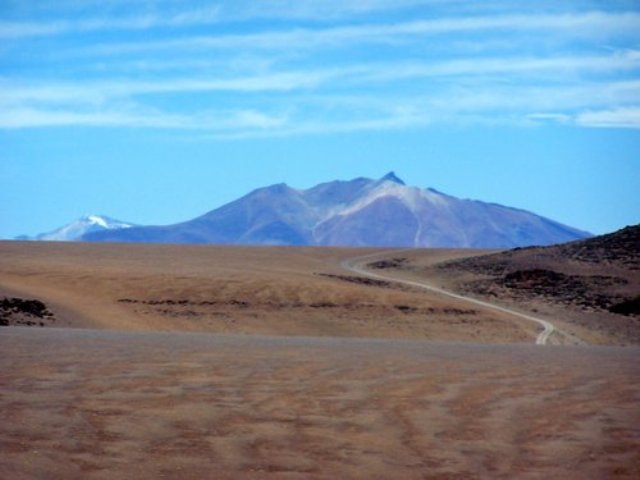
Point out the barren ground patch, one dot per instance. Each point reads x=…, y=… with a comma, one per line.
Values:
x=96, y=404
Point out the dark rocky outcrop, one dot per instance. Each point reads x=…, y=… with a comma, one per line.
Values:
x=24, y=312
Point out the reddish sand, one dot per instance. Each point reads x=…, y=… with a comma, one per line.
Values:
x=91, y=404
x=281, y=291
x=119, y=400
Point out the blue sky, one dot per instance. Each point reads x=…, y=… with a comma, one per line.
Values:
x=157, y=111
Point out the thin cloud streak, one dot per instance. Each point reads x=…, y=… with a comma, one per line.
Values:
x=488, y=66
x=16, y=30
x=239, y=10
x=317, y=114
x=322, y=11
x=104, y=90
x=220, y=121
x=286, y=81
x=578, y=24
x=627, y=117
x=222, y=12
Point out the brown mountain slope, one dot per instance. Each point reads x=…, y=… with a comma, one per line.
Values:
x=588, y=288
x=596, y=281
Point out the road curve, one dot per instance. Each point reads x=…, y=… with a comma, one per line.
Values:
x=350, y=264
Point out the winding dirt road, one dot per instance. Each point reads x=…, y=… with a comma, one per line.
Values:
x=351, y=264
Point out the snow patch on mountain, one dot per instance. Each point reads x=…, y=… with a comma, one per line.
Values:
x=76, y=229
x=97, y=220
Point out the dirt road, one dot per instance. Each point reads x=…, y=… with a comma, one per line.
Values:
x=352, y=265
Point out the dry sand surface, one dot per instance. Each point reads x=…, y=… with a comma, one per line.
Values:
x=117, y=399
x=282, y=291
x=91, y=404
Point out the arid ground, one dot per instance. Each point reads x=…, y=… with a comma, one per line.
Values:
x=282, y=291
x=238, y=362
x=590, y=288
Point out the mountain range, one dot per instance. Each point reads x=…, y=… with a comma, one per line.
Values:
x=361, y=212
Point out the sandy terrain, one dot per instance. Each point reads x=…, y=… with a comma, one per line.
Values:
x=117, y=399
x=282, y=291
x=107, y=405
x=544, y=282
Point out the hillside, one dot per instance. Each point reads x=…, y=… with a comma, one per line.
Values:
x=596, y=280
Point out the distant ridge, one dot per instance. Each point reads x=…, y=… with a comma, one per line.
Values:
x=360, y=212
x=80, y=227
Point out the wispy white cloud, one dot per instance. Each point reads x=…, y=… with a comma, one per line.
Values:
x=573, y=24
x=558, y=66
x=395, y=117
x=626, y=117
x=144, y=14
x=25, y=117
x=244, y=9
x=314, y=77
x=317, y=113
x=101, y=91
x=363, y=74
x=317, y=11
x=14, y=30
x=570, y=25
x=550, y=117
x=534, y=99
x=223, y=121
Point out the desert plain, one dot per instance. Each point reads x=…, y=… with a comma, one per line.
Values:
x=161, y=361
